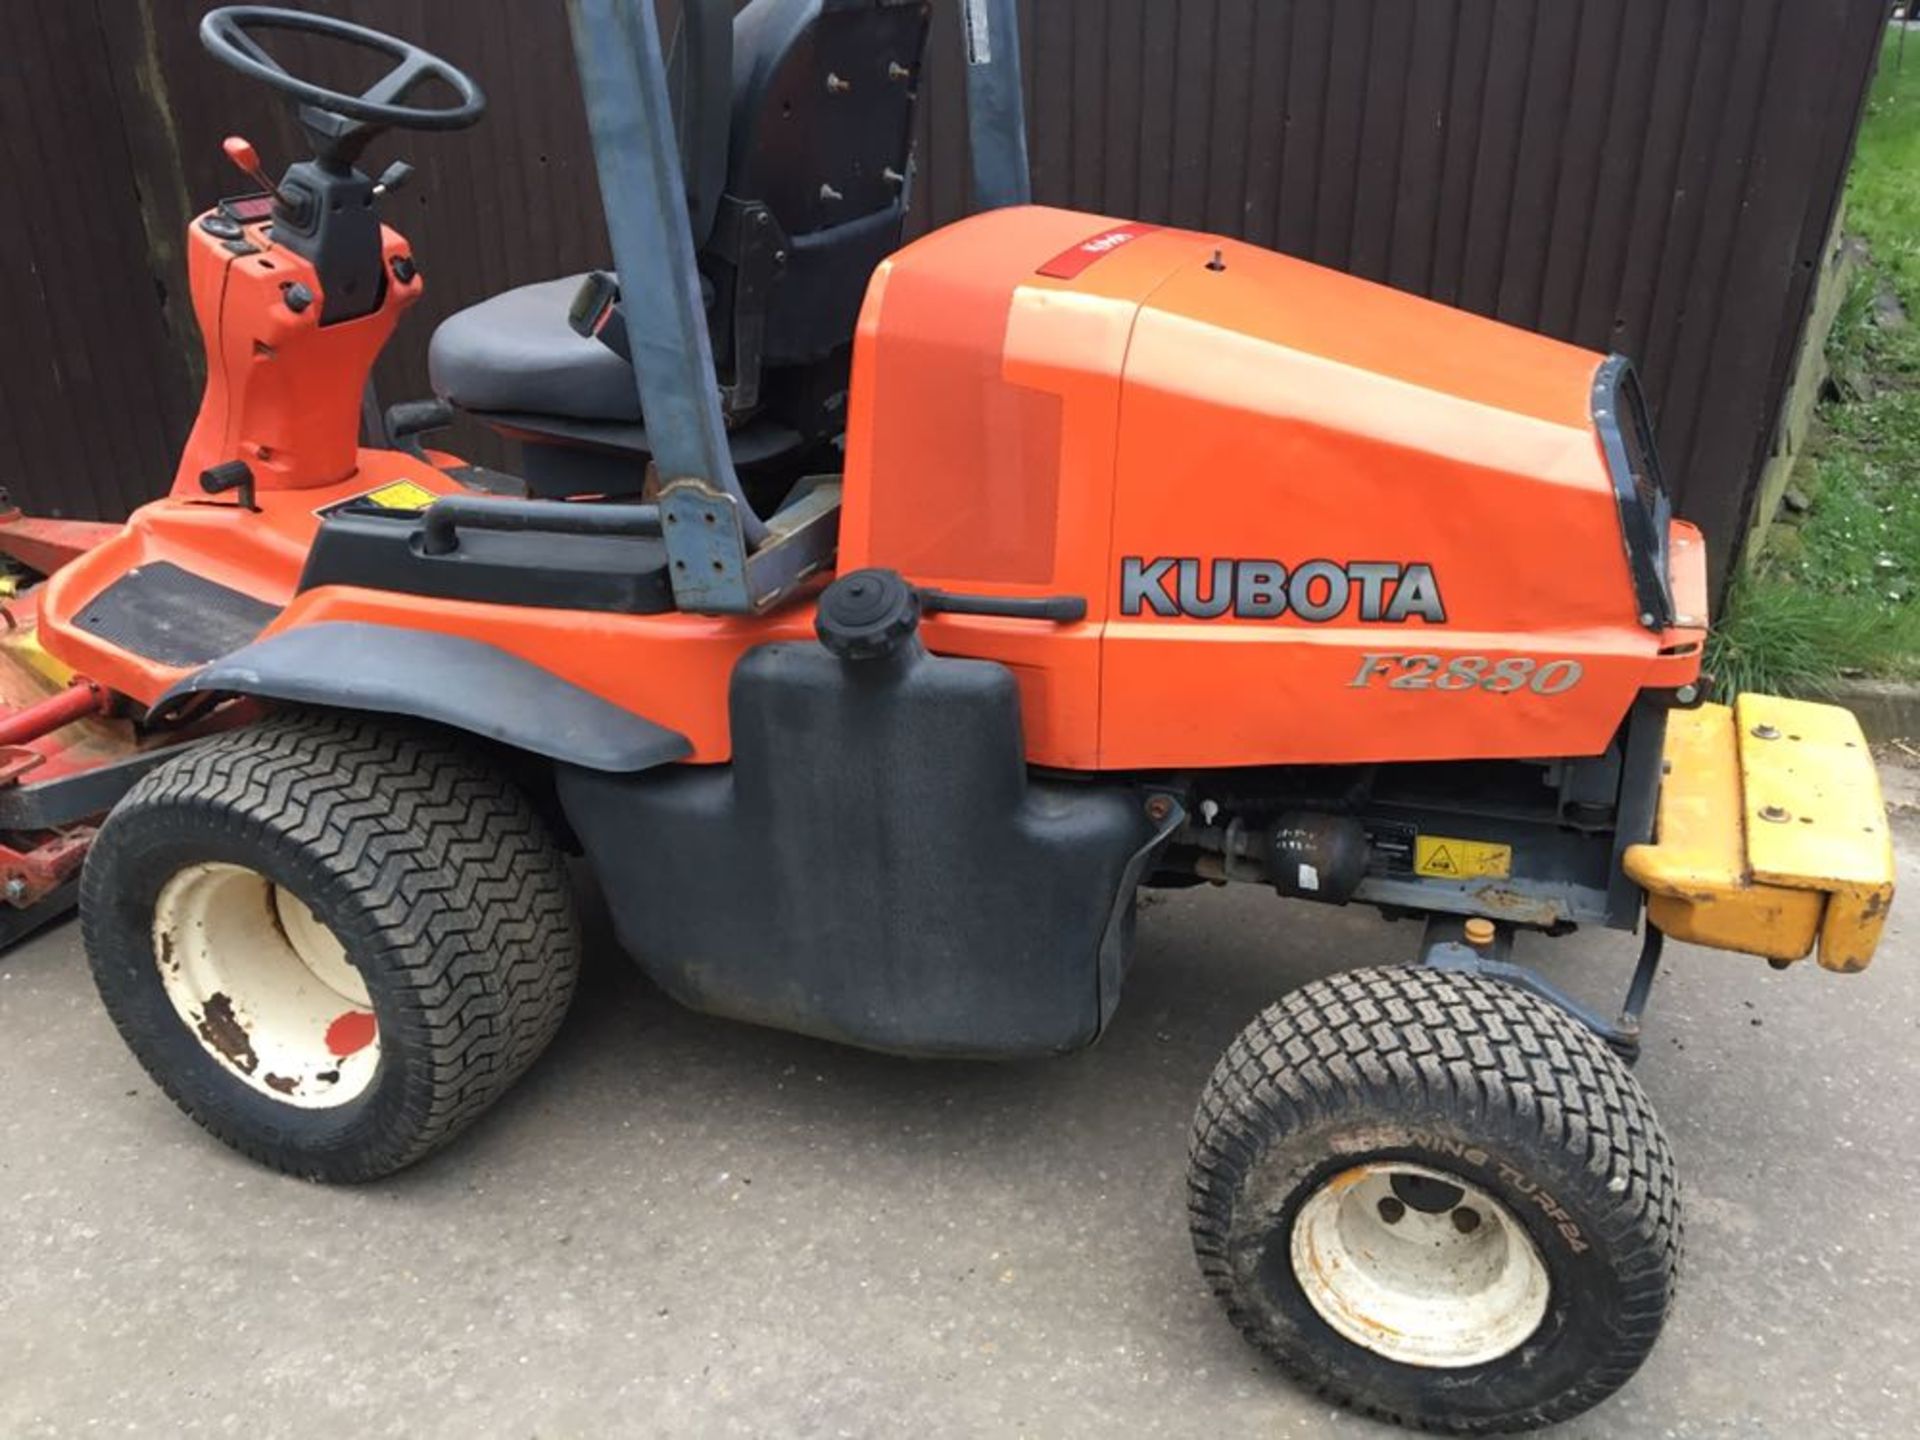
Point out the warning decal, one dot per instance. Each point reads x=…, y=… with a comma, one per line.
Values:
x=400, y=495
x=1445, y=858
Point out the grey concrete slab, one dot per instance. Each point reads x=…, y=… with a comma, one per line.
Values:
x=677, y=1226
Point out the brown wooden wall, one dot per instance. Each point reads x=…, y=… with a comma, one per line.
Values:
x=1650, y=176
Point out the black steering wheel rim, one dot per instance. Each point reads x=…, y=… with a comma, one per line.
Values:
x=225, y=32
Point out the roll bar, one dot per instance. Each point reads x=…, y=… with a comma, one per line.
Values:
x=643, y=190
x=996, y=105
x=623, y=81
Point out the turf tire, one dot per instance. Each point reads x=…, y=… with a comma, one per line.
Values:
x=435, y=873
x=1484, y=1081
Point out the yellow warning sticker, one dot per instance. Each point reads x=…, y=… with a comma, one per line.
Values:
x=1445, y=858
x=400, y=495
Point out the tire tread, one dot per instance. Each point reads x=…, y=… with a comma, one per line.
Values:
x=459, y=883
x=1479, y=1050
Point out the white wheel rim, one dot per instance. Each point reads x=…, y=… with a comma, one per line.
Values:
x=1442, y=1283
x=264, y=986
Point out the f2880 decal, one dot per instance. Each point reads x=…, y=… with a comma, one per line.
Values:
x=1373, y=591
x=1467, y=672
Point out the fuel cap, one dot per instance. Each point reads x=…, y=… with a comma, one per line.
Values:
x=867, y=614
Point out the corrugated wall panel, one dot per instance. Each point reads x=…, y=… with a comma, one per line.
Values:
x=1651, y=176
x=92, y=400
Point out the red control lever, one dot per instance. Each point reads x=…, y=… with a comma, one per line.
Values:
x=247, y=160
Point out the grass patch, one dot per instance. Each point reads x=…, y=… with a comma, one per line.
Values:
x=1784, y=639
x=1836, y=591
x=1883, y=192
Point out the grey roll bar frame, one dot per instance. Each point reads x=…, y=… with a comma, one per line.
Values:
x=637, y=154
x=623, y=82
x=996, y=105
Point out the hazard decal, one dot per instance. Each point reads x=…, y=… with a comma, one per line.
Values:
x=399, y=497
x=1444, y=858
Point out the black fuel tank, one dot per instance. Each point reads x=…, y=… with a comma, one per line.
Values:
x=875, y=866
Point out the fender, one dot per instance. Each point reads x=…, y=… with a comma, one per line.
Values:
x=466, y=684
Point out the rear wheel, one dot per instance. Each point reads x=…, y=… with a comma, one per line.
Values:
x=333, y=940
x=1437, y=1199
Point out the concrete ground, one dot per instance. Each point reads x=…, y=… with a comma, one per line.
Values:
x=678, y=1226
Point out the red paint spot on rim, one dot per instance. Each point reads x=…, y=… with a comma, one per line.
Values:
x=351, y=1032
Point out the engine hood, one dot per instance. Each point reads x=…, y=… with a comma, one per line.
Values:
x=1270, y=481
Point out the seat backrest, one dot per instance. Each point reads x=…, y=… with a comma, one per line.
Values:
x=824, y=93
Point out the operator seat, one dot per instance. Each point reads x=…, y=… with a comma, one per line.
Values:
x=795, y=127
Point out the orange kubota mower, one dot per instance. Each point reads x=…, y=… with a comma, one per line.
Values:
x=878, y=621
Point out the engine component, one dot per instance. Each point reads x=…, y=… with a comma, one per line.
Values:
x=1317, y=857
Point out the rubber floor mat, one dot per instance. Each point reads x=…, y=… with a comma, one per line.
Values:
x=174, y=617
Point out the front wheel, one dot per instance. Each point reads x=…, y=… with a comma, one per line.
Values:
x=1437, y=1199
x=334, y=940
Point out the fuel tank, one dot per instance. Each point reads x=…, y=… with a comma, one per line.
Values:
x=1314, y=519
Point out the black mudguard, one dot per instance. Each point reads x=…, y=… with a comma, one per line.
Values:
x=876, y=866
x=466, y=684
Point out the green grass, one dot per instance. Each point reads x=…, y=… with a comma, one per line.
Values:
x=1883, y=193
x=1836, y=592
x=1785, y=639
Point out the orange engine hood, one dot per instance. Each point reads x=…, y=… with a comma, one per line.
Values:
x=1311, y=516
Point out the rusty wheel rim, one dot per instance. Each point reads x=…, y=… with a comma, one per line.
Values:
x=264, y=986
x=1419, y=1266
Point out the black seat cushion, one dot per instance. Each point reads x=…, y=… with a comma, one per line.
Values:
x=518, y=352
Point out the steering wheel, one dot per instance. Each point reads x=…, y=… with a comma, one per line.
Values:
x=228, y=34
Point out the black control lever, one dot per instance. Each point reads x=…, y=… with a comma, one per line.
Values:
x=233, y=475
x=410, y=419
x=442, y=521
x=392, y=178
x=1060, y=609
